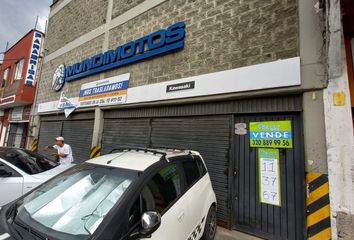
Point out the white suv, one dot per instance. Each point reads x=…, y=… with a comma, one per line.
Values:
x=130, y=194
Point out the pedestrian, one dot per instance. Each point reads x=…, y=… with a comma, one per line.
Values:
x=64, y=151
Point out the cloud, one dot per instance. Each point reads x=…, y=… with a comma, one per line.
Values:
x=18, y=17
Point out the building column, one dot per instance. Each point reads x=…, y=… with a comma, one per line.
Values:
x=98, y=124
x=97, y=133
x=339, y=129
x=33, y=130
x=105, y=43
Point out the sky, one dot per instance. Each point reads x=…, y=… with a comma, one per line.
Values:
x=18, y=17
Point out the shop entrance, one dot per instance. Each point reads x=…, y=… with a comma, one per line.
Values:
x=249, y=214
x=209, y=129
x=17, y=135
x=210, y=135
x=77, y=132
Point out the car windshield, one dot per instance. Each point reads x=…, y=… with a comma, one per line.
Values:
x=27, y=161
x=73, y=204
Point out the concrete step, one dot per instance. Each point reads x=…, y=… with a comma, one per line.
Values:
x=224, y=234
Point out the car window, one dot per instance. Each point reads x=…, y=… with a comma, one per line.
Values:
x=76, y=202
x=135, y=213
x=201, y=165
x=162, y=190
x=5, y=167
x=191, y=171
x=29, y=162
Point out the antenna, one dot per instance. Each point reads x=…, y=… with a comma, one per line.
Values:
x=46, y=26
x=7, y=46
x=35, y=25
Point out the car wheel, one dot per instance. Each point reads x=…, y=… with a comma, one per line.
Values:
x=210, y=225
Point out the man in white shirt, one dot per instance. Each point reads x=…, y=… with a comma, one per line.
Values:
x=64, y=151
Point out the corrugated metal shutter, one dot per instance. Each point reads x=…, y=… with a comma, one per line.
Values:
x=47, y=132
x=201, y=126
x=118, y=133
x=264, y=220
x=208, y=135
x=77, y=131
x=78, y=134
x=291, y=103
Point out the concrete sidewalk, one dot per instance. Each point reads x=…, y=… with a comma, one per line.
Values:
x=224, y=234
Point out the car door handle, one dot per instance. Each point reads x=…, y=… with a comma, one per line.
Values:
x=180, y=217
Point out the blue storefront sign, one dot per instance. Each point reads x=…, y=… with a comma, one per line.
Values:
x=159, y=42
x=33, y=60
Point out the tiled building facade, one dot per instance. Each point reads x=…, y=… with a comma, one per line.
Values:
x=243, y=62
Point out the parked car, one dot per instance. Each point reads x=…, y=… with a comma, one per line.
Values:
x=22, y=170
x=131, y=194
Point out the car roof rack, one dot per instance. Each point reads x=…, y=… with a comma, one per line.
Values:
x=163, y=157
x=189, y=152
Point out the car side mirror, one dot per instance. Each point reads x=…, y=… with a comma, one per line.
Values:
x=4, y=173
x=150, y=222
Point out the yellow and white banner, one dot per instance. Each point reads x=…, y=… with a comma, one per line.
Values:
x=108, y=91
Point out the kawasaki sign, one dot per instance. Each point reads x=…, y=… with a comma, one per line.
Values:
x=159, y=42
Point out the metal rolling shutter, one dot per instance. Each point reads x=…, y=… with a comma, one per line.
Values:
x=267, y=221
x=118, y=133
x=47, y=132
x=208, y=135
x=78, y=134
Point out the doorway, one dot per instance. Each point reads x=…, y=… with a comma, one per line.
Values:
x=17, y=135
x=286, y=221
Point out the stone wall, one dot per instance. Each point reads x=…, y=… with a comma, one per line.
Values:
x=45, y=92
x=121, y=6
x=220, y=35
x=75, y=19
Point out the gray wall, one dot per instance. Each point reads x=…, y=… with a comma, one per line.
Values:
x=221, y=35
x=313, y=79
